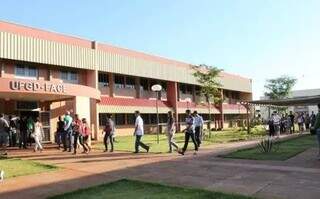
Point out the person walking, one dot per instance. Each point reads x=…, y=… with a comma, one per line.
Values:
x=271, y=126
x=276, y=119
x=85, y=135
x=307, y=121
x=108, y=131
x=38, y=135
x=300, y=121
x=292, y=118
x=198, y=126
x=23, y=133
x=4, y=136
x=189, y=132
x=67, y=138
x=317, y=129
x=312, y=119
x=60, y=132
x=138, y=133
x=171, y=130
x=76, y=131
x=13, y=131
x=30, y=129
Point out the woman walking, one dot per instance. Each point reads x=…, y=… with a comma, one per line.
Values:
x=171, y=129
x=84, y=138
x=38, y=135
x=77, y=127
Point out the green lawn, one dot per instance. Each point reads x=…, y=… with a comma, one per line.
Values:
x=283, y=150
x=17, y=167
x=126, y=143
x=125, y=189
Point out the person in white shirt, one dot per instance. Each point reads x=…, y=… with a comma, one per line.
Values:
x=189, y=132
x=276, y=123
x=38, y=135
x=138, y=132
x=198, y=126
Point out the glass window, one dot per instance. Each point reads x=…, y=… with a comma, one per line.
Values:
x=182, y=88
x=131, y=119
x=153, y=118
x=144, y=84
x=130, y=82
x=69, y=76
x=120, y=119
x=64, y=75
x=26, y=71
x=73, y=76
x=145, y=118
x=103, y=78
x=119, y=81
x=163, y=118
x=102, y=119
x=189, y=89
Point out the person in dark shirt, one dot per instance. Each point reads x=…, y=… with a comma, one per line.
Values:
x=13, y=132
x=23, y=133
x=60, y=131
x=292, y=122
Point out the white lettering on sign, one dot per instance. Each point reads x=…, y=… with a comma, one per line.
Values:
x=35, y=86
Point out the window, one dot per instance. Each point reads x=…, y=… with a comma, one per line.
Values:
x=26, y=71
x=164, y=85
x=130, y=82
x=119, y=81
x=26, y=105
x=153, y=118
x=131, y=119
x=120, y=119
x=145, y=118
x=102, y=119
x=103, y=78
x=163, y=118
x=182, y=88
x=69, y=76
x=144, y=84
x=189, y=89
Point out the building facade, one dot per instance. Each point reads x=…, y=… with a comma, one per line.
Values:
x=43, y=74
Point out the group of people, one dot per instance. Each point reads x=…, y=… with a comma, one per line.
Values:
x=194, y=126
x=286, y=122
x=29, y=129
x=72, y=132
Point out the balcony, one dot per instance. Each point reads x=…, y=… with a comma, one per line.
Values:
x=152, y=95
x=105, y=90
x=125, y=92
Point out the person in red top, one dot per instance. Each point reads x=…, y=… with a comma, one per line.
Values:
x=77, y=132
x=85, y=134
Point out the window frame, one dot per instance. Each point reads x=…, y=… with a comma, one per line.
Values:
x=26, y=72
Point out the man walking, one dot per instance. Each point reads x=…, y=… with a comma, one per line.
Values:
x=108, y=133
x=138, y=132
x=198, y=123
x=4, y=136
x=292, y=122
x=67, y=138
x=23, y=133
x=189, y=132
x=171, y=130
x=276, y=123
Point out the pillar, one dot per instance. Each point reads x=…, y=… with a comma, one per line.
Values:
x=172, y=97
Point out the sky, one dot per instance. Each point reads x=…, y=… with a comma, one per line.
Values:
x=258, y=39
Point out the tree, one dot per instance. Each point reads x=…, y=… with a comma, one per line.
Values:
x=280, y=87
x=207, y=76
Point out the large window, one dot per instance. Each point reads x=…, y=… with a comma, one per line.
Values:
x=130, y=82
x=102, y=119
x=144, y=85
x=69, y=76
x=131, y=119
x=120, y=119
x=29, y=72
x=119, y=81
x=103, y=78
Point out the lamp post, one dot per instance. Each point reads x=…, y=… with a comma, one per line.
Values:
x=157, y=88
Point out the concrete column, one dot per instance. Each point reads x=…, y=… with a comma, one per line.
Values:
x=172, y=97
x=221, y=111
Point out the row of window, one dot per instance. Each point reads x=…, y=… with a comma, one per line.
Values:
x=32, y=72
x=129, y=119
x=121, y=81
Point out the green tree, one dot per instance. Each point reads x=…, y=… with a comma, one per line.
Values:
x=207, y=76
x=279, y=88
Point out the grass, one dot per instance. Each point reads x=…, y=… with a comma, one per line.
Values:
x=284, y=150
x=124, y=189
x=126, y=143
x=17, y=167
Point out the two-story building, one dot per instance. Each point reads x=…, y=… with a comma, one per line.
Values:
x=43, y=74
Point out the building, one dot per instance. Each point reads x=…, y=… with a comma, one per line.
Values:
x=264, y=111
x=45, y=73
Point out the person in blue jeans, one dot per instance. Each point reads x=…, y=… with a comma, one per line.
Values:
x=317, y=128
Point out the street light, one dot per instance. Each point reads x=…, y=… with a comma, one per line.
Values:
x=157, y=88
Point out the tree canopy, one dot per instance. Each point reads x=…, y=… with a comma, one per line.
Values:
x=207, y=76
x=280, y=87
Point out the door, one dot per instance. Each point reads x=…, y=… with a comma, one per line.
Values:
x=45, y=120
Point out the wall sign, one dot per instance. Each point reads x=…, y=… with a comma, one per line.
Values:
x=36, y=86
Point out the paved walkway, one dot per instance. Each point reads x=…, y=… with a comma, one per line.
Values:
x=298, y=177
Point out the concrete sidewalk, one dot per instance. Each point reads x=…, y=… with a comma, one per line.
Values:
x=262, y=179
